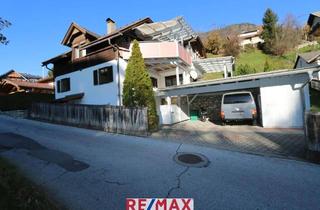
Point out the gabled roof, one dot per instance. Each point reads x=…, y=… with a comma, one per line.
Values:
x=98, y=40
x=25, y=76
x=309, y=57
x=119, y=31
x=6, y=74
x=74, y=26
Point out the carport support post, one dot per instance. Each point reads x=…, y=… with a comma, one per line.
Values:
x=225, y=71
x=189, y=102
x=177, y=75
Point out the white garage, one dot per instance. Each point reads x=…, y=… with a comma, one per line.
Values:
x=284, y=95
x=282, y=107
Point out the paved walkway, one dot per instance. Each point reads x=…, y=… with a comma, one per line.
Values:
x=251, y=139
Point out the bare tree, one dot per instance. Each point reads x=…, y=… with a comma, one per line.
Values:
x=4, y=24
x=288, y=36
x=232, y=46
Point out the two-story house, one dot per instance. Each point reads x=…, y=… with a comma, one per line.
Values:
x=93, y=70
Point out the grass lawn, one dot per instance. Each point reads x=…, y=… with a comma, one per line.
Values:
x=16, y=192
x=256, y=59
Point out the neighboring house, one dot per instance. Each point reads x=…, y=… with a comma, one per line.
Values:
x=309, y=59
x=314, y=23
x=13, y=81
x=250, y=37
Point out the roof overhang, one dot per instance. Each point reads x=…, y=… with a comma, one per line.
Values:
x=71, y=97
x=58, y=57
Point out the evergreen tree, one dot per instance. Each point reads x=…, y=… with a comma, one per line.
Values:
x=269, y=20
x=137, y=86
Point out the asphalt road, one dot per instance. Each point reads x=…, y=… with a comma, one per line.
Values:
x=118, y=167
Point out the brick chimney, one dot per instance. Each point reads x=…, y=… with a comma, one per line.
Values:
x=111, y=26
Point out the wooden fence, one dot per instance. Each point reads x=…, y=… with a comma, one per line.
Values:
x=115, y=119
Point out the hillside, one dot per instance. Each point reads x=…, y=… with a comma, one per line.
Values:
x=255, y=59
x=230, y=29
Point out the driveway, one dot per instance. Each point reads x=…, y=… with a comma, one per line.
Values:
x=115, y=167
x=289, y=143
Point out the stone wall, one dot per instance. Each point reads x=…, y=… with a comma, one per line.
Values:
x=312, y=130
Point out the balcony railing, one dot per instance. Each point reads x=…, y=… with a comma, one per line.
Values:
x=151, y=50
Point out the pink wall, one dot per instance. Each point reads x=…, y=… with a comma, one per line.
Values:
x=162, y=50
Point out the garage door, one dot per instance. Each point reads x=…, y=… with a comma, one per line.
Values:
x=281, y=107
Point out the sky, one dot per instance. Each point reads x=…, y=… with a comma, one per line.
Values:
x=38, y=26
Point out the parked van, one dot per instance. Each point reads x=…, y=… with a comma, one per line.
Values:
x=236, y=106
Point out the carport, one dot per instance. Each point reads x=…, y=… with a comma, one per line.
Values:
x=283, y=96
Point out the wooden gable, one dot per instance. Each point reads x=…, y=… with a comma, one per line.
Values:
x=78, y=35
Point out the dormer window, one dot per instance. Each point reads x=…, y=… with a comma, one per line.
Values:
x=78, y=53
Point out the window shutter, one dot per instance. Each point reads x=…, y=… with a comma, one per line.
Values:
x=95, y=77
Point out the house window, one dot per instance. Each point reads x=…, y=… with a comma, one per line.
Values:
x=82, y=53
x=172, y=80
x=154, y=82
x=63, y=85
x=76, y=53
x=103, y=75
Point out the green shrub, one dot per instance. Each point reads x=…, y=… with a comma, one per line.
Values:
x=245, y=69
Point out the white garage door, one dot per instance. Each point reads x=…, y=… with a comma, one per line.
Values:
x=281, y=107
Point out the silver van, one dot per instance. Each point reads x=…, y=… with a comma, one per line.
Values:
x=236, y=106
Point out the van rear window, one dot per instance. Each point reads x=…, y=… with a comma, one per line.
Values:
x=237, y=98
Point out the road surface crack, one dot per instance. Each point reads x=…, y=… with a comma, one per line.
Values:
x=178, y=182
x=115, y=182
x=178, y=176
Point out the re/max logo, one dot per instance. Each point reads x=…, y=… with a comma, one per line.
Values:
x=159, y=204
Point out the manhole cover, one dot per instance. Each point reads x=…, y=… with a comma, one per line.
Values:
x=191, y=159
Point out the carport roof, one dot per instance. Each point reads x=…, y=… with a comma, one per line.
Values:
x=185, y=89
x=210, y=64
